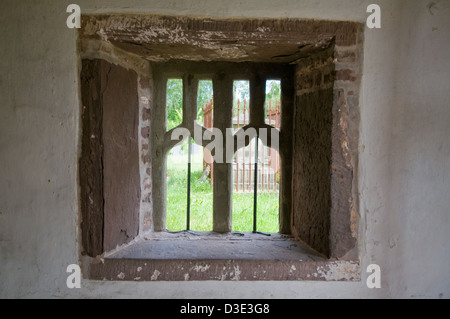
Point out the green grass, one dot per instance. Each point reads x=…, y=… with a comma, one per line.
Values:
x=202, y=201
x=267, y=214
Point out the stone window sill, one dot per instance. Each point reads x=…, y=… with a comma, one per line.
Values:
x=215, y=257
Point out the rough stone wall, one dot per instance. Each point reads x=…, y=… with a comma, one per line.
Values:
x=90, y=167
x=312, y=151
x=326, y=54
x=91, y=50
x=345, y=217
x=145, y=84
x=121, y=178
x=109, y=164
x=325, y=147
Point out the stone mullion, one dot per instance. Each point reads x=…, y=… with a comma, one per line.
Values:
x=223, y=182
x=159, y=165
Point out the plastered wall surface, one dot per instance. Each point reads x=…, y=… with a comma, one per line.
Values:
x=404, y=168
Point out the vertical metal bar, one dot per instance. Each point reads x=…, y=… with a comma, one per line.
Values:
x=234, y=116
x=263, y=167
x=255, y=194
x=277, y=155
x=237, y=153
x=250, y=167
x=243, y=150
x=188, y=222
x=269, y=116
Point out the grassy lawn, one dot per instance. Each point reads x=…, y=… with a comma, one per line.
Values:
x=202, y=201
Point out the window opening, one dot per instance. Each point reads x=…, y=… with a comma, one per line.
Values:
x=205, y=117
x=201, y=192
x=174, y=103
x=187, y=173
x=273, y=103
x=200, y=203
x=269, y=173
x=268, y=194
x=205, y=102
x=256, y=167
x=243, y=173
x=313, y=93
x=177, y=187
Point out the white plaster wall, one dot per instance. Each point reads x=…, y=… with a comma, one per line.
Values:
x=404, y=161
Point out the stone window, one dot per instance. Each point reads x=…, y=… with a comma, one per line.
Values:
x=126, y=62
x=223, y=75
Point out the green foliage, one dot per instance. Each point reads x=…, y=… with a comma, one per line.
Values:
x=205, y=94
x=241, y=91
x=273, y=90
x=273, y=93
x=174, y=103
x=174, y=99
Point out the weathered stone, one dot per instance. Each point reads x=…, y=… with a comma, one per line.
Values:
x=311, y=177
x=345, y=75
x=146, y=115
x=190, y=260
x=145, y=132
x=161, y=39
x=323, y=160
x=345, y=56
x=121, y=178
x=146, y=159
x=91, y=172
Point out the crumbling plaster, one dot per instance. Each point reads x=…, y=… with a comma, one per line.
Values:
x=404, y=159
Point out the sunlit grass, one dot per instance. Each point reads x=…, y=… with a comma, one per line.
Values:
x=267, y=214
x=202, y=201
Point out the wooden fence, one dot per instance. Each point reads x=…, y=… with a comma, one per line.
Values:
x=243, y=164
